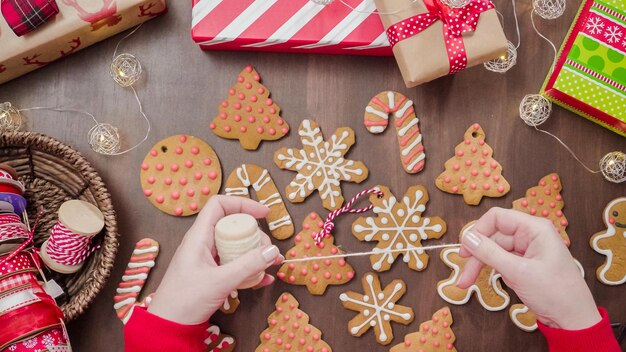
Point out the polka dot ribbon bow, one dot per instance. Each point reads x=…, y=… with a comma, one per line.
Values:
x=329, y=225
x=456, y=22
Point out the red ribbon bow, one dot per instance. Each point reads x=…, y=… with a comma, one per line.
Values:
x=456, y=22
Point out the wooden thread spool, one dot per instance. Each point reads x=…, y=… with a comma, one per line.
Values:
x=236, y=235
x=82, y=219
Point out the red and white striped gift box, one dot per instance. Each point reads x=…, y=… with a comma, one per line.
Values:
x=290, y=26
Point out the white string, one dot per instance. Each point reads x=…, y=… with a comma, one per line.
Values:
x=147, y=123
x=532, y=20
x=375, y=12
x=361, y=254
x=126, y=36
x=519, y=37
x=569, y=150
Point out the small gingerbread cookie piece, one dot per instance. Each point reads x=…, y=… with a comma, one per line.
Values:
x=377, y=308
x=545, y=200
x=612, y=244
x=289, y=329
x=399, y=224
x=472, y=171
x=316, y=275
x=523, y=317
x=218, y=341
x=376, y=119
x=434, y=335
x=250, y=175
x=180, y=174
x=488, y=287
x=231, y=303
x=249, y=114
x=320, y=165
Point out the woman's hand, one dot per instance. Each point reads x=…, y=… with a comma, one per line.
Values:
x=534, y=262
x=195, y=286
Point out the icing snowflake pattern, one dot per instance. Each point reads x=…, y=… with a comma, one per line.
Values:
x=30, y=343
x=320, y=165
x=613, y=34
x=399, y=225
x=47, y=340
x=595, y=25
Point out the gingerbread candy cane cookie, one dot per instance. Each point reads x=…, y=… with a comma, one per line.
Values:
x=376, y=120
x=612, y=244
x=246, y=175
x=135, y=276
x=218, y=341
x=231, y=303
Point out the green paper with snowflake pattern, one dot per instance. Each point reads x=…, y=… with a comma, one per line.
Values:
x=589, y=76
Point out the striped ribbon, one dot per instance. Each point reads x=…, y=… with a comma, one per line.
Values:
x=329, y=225
x=68, y=248
x=9, y=218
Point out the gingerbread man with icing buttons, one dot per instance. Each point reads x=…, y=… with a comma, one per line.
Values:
x=612, y=244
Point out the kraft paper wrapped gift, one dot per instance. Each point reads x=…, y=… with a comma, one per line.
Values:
x=423, y=54
x=79, y=24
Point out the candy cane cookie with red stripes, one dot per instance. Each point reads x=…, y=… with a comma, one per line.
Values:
x=376, y=119
x=135, y=276
x=218, y=341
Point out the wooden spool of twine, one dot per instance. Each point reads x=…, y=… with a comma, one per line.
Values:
x=54, y=173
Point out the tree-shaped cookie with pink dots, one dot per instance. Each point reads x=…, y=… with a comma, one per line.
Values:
x=472, y=171
x=248, y=113
x=433, y=335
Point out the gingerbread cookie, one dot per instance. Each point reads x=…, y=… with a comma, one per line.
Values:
x=488, y=287
x=612, y=244
x=316, y=275
x=376, y=119
x=320, y=165
x=523, y=318
x=248, y=114
x=231, y=303
x=135, y=276
x=218, y=341
x=238, y=183
x=289, y=329
x=179, y=175
x=398, y=225
x=472, y=171
x=377, y=308
x=545, y=200
x=433, y=335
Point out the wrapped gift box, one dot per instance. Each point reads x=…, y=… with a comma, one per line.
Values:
x=289, y=26
x=79, y=24
x=589, y=76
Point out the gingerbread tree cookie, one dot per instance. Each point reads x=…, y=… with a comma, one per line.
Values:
x=320, y=165
x=612, y=244
x=289, y=329
x=488, y=286
x=399, y=224
x=248, y=113
x=433, y=335
x=377, y=308
x=316, y=275
x=472, y=171
x=545, y=200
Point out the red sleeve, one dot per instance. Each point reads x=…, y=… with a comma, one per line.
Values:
x=150, y=333
x=597, y=338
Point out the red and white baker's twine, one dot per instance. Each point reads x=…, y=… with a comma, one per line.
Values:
x=68, y=248
x=329, y=225
x=29, y=240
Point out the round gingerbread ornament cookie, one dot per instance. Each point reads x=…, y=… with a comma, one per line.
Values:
x=179, y=175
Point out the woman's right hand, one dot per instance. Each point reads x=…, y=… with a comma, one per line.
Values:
x=534, y=262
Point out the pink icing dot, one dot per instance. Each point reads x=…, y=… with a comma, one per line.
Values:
x=473, y=186
x=195, y=150
x=224, y=104
x=240, y=79
x=422, y=339
x=248, y=108
x=260, y=110
x=145, y=166
x=227, y=128
x=552, y=204
x=558, y=197
x=248, y=85
x=151, y=179
x=533, y=193
x=272, y=111
x=257, y=78
x=540, y=201
x=313, y=216
x=178, y=150
x=237, y=106
x=545, y=213
x=482, y=142
x=476, y=126
x=243, y=128
x=524, y=203
x=212, y=175
x=268, y=102
x=167, y=181
x=260, y=129
x=455, y=189
x=223, y=116
x=474, y=172
x=338, y=276
x=494, y=165
x=496, y=178
x=501, y=189
x=193, y=206
x=231, y=91
x=563, y=222
x=292, y=278
x=460, y=153
x=303, y=272
x=473, y=149
x=237, y=118
x=207, y=162
x=190, y=192
x=327, y=275
x=188, y=163
x=253, y=98
x=533, y=211
x=266, y=119
x=447, y=180
x=153, y=152
x=175, y=195
x=468, y=162
x=456, y=167
x=212, y=126
x=197, y=176
x=407, y=343
x=350, y=274
x=251, y=119
x=462, y=179
x=467, y=141
x=547, y=192
x=178, y=211
x=306, y=226
x=284, y=130
x=559, y=213
x=482, y=161
x=159, y=167
x=542, y=183
x=487, y=173
x=241, y=96
x=271, y=131
x=160, y=199
x=316, y=267
x=147, y=192
x=205, y=191
x=314, y=279
x=486, y=186
x=261, y=90
x=174, y=167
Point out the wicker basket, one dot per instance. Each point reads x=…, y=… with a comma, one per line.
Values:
x=54, y=173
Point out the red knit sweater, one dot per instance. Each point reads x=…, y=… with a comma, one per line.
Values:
x=150, y=333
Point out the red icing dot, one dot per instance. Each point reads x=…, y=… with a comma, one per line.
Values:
x=292, y=266
x=542, y=183
x=533, y=193
x=281, y=276
x=436, y=343
x=206, y=162
x=241, y=96
x=205, y=191
x=182, y=181
x=313, y=216
x=423, y=339
x=435, y=330
x=447, y=180
x=257, y=78
x=231, y=91
x=545, y=213
x=449, y=346
x=260, y=110
x=407, y=343
x=188, y=163
x=327, y=275
x=212, y=175
x=279, y=341
x=426, y=327
x=316, y=267
x=494, y=164
x=482, y=161
x=559, y=213
x=482, y=142
x=249, y=69
x=153, y=152
x=167, y=181
x=350, y=274
x=551, y=204
x=338, y=276
x=563, y=222
x=327, y=262
x=547, y=192
x=303, y=272
x=261, y=90
x=496, y=178
x=223, y=116
x=286, y=317
x=145, y=166
x=273, y=322
x=476, y=126
x=292, y=279
x=147, y=192
x=558, y=197
x=540, y=201
x=280, y=122
x=267, y=336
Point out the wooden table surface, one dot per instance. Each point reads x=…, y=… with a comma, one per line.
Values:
x=182, y=89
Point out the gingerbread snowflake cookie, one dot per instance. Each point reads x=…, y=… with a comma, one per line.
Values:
x=377, y=308
x=472, y=171
x=249, y=114
x=433, y=336
x=487, y=288
x=316, y=275
x=250, y=175
x=320, y=165
x=399, y=224
x=612, y=244
x=180, y=174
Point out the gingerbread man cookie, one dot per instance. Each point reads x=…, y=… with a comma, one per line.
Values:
x=472, y=171
x=289, y=330
x=315, y=275
x=612, y=244
x=246, y=175
x=377, y=308
x=249, y=114
x=218, y=341
x=320, y=165
x=376, y=120
x=434, y=335
x=488, y=287
x=180, y=174
x=523, y=317
x=399, y=224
